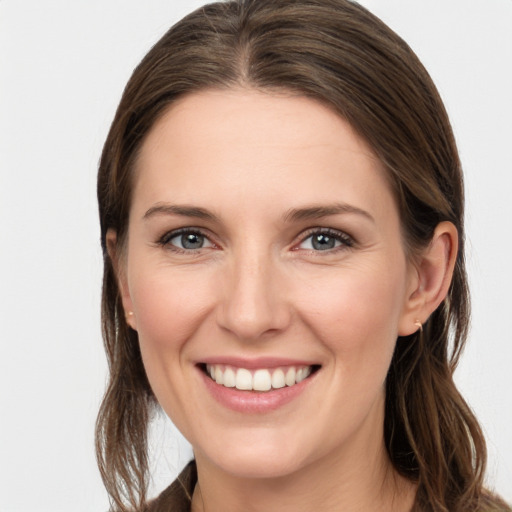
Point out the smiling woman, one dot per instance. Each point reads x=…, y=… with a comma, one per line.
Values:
x=282, y=222
x=269, y=281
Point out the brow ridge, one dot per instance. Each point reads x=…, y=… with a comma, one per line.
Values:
x=293, y=215
x=180, y=210
x=318, y=212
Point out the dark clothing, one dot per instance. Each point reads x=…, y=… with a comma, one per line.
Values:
x=177, y=497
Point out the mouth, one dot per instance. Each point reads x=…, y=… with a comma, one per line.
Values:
x=260, y=380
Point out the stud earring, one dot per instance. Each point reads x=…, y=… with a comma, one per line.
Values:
x=128, y=315
x=419, y=325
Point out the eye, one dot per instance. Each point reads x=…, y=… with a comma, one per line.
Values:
x=325, y=240
x=186, y=240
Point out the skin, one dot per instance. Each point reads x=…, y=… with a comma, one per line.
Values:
x=259, y=288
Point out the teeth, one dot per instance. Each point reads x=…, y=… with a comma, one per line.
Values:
x=290, y=377
x=229, y=378
x=302, y=374
x=262, y=381
x=219, y=375
x=243, y=379
x=278, y=379
x=259, y=380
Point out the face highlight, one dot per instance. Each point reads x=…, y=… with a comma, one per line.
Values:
x=268, y=280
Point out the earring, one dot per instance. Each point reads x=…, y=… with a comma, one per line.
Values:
x=128, y=315
x=419, y=325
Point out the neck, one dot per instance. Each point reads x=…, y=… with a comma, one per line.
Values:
x=360, y=480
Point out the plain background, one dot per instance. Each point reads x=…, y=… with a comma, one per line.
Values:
x=63, y=66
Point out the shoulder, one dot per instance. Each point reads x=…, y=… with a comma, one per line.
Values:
x=177, y=497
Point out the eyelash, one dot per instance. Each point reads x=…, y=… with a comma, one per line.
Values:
x=164, y=240
x=345, y=241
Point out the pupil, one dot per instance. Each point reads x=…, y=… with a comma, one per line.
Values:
x=192, y=241
x=323, y=242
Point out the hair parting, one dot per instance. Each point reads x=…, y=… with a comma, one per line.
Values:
x=338, y=53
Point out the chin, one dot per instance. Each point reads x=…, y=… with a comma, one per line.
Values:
x=256, y=460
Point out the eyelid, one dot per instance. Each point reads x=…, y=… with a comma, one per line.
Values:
x=164, y=240
x=346, y=240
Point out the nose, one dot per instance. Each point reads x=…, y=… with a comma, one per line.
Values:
x=254, y=301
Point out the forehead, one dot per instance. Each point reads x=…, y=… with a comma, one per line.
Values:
x=244, y=144
x=256, y=118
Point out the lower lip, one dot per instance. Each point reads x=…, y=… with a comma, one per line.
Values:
x=254, y=402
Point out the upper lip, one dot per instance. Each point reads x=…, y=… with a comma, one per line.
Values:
x=255, y=363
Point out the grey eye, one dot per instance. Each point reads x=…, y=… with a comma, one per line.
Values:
x=320, y=242
x=190, y=241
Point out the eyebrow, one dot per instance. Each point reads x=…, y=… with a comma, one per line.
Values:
x=318, y=212
x=292, y=215
x=183, y=211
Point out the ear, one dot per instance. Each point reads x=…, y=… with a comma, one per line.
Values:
x=119, y=265
x=431, y=277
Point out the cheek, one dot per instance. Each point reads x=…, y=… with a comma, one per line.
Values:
x=169, y=307
x=356, y=319
x=355, y=297
x=355, y=314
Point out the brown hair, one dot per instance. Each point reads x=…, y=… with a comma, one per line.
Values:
x=338, y=53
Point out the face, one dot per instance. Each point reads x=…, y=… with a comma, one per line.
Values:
x=267, y=277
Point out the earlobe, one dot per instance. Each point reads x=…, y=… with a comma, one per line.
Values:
x=433, y=276
x=118, y=264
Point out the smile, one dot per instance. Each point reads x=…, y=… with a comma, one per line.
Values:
x=262, y=379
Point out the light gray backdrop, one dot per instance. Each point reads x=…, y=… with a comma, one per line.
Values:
x=63, y=66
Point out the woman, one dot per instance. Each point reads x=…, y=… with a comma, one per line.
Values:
x=281, y=207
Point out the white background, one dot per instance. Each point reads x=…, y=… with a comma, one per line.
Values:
x=63, y=66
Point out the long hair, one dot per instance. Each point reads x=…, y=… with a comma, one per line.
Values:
x=338, y=53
